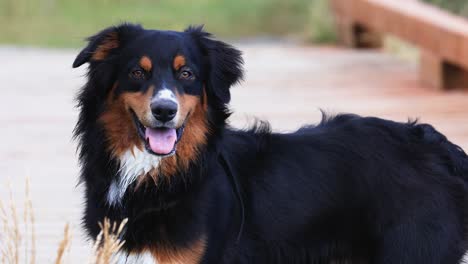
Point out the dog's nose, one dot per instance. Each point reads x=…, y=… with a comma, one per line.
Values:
x=164, y=110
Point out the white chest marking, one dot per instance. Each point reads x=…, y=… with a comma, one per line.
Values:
x=132, y=165
x=144, y=258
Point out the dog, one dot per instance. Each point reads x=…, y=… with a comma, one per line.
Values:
x=154, y=148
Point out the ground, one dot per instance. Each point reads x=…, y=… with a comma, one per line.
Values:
x=285, y=84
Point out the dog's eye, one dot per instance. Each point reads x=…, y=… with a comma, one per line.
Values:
x=137, y=74
x=186, y=75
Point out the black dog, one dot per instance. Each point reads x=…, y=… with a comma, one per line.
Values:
x=155, y=148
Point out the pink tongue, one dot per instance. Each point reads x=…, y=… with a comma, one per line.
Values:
x=161, y=140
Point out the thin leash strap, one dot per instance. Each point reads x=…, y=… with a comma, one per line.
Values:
x=237, y=189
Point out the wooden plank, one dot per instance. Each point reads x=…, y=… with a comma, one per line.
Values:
x=416, y=22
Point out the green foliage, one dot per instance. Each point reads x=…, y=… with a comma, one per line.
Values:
x=64, y=23
x=320, y=26
x=459, y=7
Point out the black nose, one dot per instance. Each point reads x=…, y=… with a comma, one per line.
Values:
x=164, y=110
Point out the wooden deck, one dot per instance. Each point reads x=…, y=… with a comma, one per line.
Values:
x=285, y=84
x=444, y=64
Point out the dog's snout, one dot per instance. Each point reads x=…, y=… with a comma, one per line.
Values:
x=164, y=110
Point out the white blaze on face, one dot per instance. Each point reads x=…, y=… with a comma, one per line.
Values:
x=133, y=163
x=162, y=140
x=165, y=94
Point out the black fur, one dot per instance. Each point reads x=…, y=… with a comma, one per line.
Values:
x=348, y=190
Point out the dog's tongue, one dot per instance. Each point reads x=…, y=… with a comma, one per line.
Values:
x=161, y=140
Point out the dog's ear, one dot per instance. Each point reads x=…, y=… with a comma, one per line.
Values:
x=225, y=63
x=106, y=43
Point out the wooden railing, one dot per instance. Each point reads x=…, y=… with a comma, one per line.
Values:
x=441, y=37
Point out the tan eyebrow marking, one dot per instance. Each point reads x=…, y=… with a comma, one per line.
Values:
x=145, y=63
x=179, y=61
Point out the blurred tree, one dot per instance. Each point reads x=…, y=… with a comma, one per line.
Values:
x=66, y=22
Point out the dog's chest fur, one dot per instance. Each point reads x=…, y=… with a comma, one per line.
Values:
x=133, y=164
x=143, y=258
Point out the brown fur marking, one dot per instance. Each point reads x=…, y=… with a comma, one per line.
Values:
x=118, y=123
x=146, y=63
x=110, y=42
x=189, y=255
x=196, y=129
x=122, y=134
x=179, y=61
x=139, y=102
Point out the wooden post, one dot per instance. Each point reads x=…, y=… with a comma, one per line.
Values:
x=353, y=34
x=439, y=74
x=367, y=38
x=431, y=70
x=345, y=31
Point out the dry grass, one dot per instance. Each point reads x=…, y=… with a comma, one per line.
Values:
x=108, y=242
x=29, y=229
x=13, y=239
x=64, y=245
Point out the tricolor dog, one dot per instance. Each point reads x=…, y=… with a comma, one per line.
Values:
x=154, y=148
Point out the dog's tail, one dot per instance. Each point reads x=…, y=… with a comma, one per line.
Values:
x=455, y=158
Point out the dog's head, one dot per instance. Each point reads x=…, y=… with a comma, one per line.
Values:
x=156, y=89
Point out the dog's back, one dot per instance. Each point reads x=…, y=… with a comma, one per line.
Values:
x=349, y=188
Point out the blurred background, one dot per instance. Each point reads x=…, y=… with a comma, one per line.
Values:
x=63, y=23
x=296, y=64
